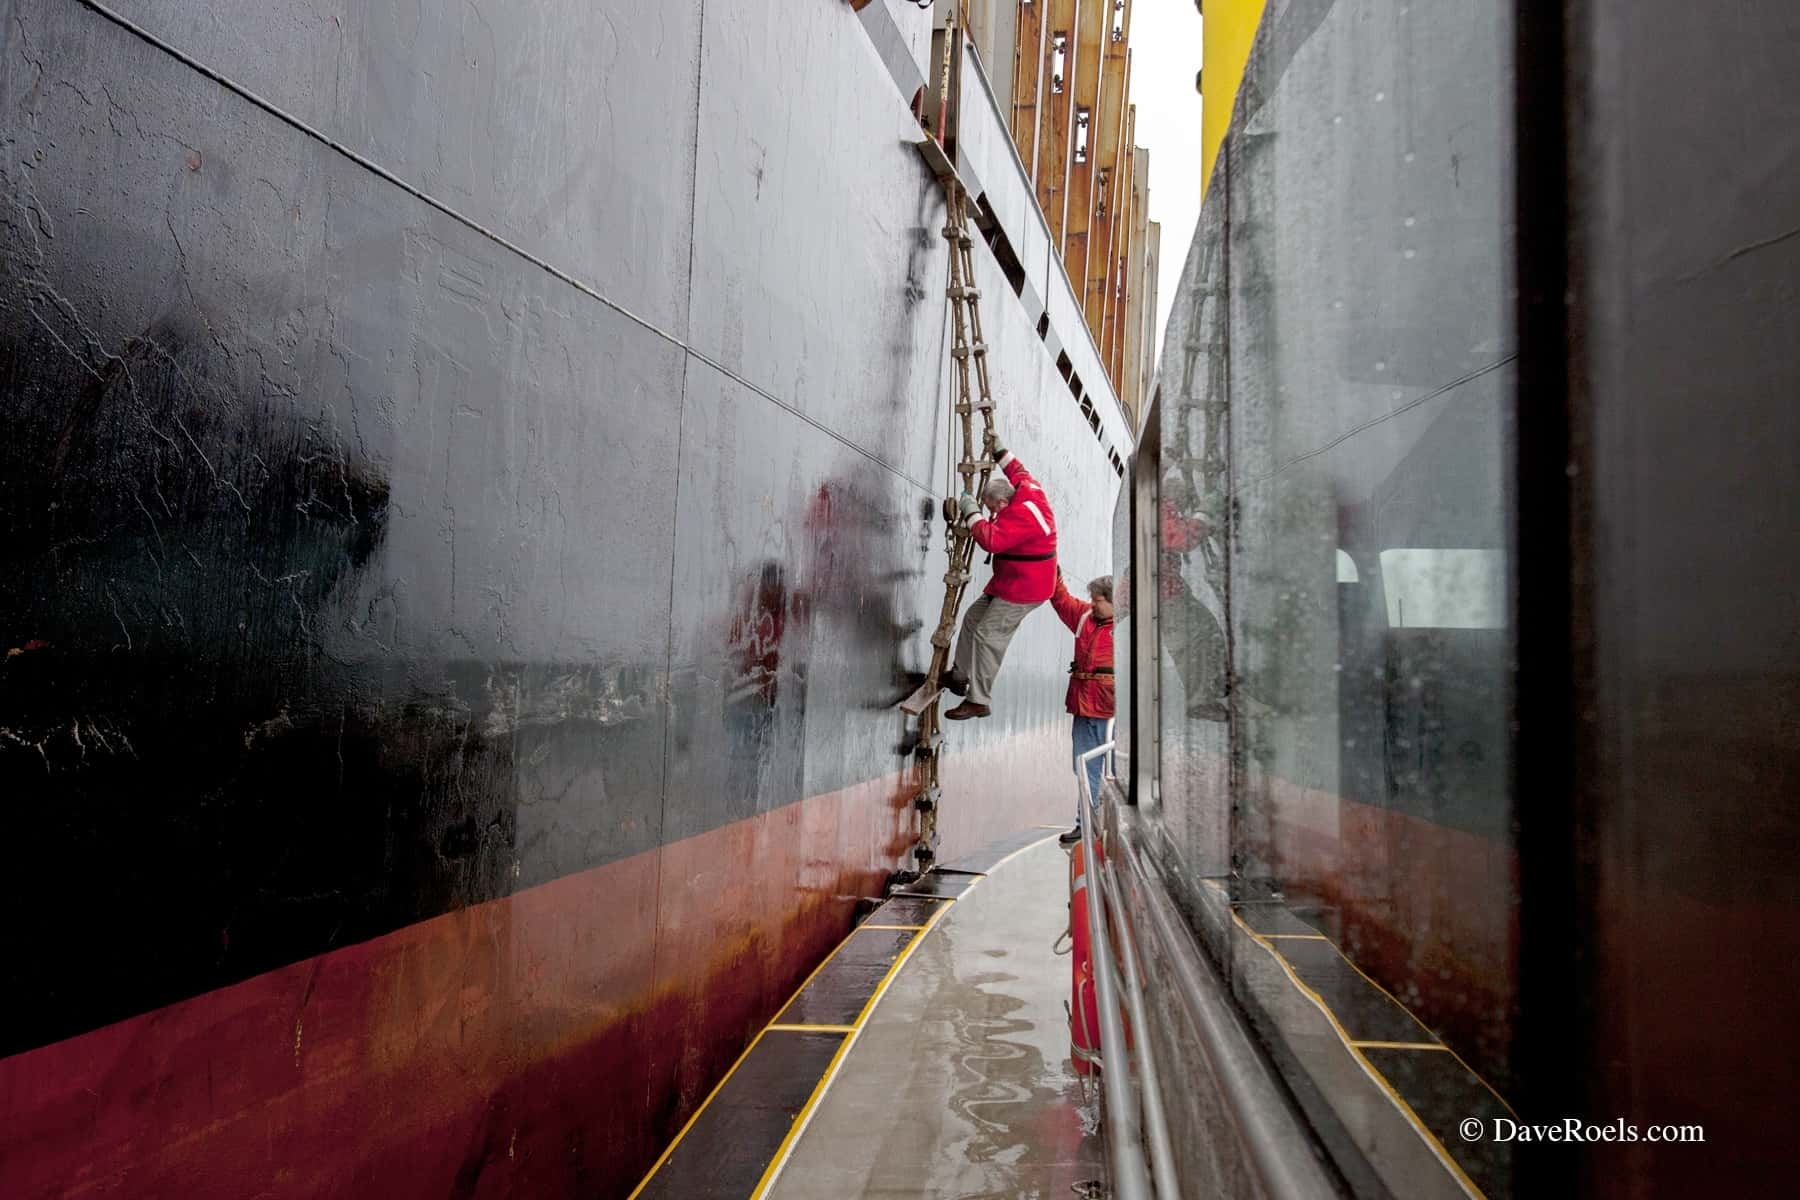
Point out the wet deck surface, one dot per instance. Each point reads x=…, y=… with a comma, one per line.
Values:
x=960, y=1083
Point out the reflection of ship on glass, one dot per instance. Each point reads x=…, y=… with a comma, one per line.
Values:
x=1331, y=523
x=1507, y=601
x=1193, y=630
x=1194, y=498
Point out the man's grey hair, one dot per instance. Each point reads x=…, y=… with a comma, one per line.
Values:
x=997, y=492
x=1101, y=588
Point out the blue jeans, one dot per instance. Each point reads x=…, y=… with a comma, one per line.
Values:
x=1088, y=733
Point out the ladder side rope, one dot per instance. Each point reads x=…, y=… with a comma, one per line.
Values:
x=971, y=394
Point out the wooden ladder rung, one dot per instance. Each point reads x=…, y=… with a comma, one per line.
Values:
x=932, y=151
x=922, y=698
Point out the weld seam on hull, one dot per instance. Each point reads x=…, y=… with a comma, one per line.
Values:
x=477, y=227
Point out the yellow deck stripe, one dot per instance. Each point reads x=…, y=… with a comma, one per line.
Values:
x=937, y=914
x=657, y=1166
x=800, y=1120
x=1453, y=1054
x=1364, y=1045
x=1368, y=1067
x=1016, y=853
x=809, y=1029
x=862, y=1014
x=670, y=1149
x=1297, y=937
x=1501, y=1100
x=805, y=1115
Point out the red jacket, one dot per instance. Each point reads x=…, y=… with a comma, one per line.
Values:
x=1179, y=535
x=1090, y=675
x=1022, y=539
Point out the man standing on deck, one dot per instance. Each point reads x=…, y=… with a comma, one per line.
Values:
x=1021, y=542
x=1090, y=699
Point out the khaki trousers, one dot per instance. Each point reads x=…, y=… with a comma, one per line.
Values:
x=987, y=630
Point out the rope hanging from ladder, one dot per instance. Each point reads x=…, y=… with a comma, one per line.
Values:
x=970, y=395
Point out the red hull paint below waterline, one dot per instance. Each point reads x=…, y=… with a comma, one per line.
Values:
x=547, y=1044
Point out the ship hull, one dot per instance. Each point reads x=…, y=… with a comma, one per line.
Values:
x=471, y=488
x=546, y=1043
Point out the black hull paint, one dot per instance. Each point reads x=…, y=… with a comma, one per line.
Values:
x=421, y=490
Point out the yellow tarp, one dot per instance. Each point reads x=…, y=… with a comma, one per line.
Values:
x=1230, y=26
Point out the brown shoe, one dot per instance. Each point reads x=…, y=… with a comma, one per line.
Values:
x=956, y=681
x=967, y=709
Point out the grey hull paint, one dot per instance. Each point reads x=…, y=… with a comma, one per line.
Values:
x=448, y=451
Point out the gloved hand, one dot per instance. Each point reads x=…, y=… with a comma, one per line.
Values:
x=996, y=451
x=966, y=506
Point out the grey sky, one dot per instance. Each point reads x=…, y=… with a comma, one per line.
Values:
x=1165, y=56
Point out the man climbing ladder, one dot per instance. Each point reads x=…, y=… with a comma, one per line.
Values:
x=1026, y=553
x=970, y=396
x=1021, y=540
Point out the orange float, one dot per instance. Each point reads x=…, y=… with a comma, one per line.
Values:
x=1084, y=1007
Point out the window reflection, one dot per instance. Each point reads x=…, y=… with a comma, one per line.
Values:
x=1330, y=564
x=1444, y=589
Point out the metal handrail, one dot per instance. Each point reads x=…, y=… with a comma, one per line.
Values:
x=1131, y=1177
x=1162, y=1153
x=1281, y=1156
x=1279, y=1149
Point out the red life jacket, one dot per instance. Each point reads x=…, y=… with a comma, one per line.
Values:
x=1022, y=539
x=1179, y=535
x=1090, y=675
